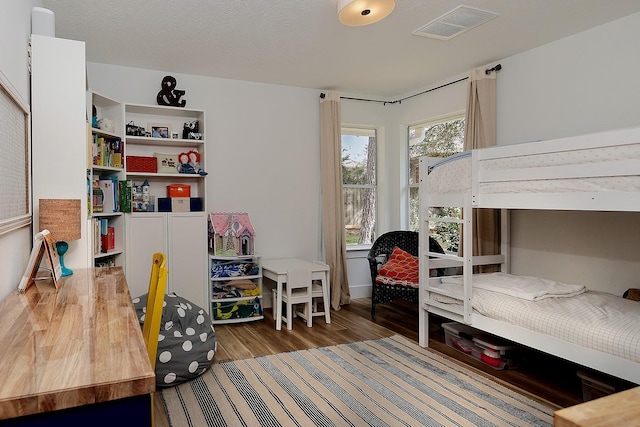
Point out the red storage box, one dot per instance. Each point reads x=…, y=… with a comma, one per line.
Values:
x=178, y=190
x=142, y=164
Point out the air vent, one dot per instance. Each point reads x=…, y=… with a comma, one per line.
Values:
x=454, y=23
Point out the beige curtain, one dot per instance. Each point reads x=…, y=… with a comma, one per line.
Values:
x=332, y=198
x=480, y=132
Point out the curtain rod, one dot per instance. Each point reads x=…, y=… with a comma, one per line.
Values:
x=488, y=71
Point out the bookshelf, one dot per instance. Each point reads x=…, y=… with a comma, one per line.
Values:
x=105, y=170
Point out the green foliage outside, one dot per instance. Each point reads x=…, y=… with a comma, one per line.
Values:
x=440, y=140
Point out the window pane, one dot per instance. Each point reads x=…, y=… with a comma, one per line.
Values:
x=414, y=209
x=434, y=140
x=358, y=159
x=446, y=233
x=359, y=217
x=359, y=184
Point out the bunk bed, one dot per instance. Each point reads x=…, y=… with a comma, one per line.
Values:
x=599, y=172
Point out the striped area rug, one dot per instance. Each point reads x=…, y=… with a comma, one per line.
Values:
x=384, y=382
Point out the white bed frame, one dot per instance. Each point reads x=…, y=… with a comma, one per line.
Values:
x=596, y=201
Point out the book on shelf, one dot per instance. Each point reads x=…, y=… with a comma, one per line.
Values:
x=125, y=193
x=104, y=235
x=111, y=238
x=96, y=236
x=109, y=196
x=107, y=151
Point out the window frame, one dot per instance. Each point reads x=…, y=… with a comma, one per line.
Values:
x=17, y=209
x=363, y=130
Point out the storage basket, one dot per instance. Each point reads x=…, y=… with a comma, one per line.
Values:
x=475, y=343
x=142, y=164
x=236, y=309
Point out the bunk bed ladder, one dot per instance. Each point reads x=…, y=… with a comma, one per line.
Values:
x=449, y=262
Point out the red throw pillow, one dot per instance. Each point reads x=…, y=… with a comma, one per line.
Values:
x=402, y=266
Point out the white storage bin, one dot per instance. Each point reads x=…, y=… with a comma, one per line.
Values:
x=488, y=349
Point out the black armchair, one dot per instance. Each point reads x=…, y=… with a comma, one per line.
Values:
x=379, y=253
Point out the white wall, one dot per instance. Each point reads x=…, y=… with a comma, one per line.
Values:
x=262, y=153
x=581, y=84
x=15, y=28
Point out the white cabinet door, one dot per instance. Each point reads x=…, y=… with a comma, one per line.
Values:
x=146, y=235
x=188, y=256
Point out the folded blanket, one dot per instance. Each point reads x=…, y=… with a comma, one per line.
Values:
x=529, y=288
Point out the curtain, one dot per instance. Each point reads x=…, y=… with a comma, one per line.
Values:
x=332, y=198
x=480, y=132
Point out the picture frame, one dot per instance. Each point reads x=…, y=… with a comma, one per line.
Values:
x=175, y=135
x=43, y=246
x=159, y=130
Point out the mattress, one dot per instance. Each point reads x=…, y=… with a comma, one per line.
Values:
x=595, y=320
x=454, y=175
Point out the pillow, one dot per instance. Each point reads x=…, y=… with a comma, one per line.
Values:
x=167, y=163
x=632, y=294
x=401, y=266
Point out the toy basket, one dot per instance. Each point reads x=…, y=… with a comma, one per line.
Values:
x=142, y=164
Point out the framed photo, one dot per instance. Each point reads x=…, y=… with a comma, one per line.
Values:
x=159, y=130
x=175, y=135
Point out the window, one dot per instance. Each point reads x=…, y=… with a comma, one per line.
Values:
x=359, y=184
x=15, y=210
x=437, y=138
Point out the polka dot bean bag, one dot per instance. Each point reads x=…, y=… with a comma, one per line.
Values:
x=187, y=341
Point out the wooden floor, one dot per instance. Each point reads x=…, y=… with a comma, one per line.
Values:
x=546, y=378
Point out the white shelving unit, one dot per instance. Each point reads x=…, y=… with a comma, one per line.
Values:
x=145, y=146
x=105, y=161
x=182, y=236
x=226, y=273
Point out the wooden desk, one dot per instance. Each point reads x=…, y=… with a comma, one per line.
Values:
x=615, y=410
x=277, y=269
x=78, y=352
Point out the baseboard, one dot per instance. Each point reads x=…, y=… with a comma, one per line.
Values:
x=360, y=291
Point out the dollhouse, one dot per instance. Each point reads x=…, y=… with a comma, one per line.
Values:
x=230, y=234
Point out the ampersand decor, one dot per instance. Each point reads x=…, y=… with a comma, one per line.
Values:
x=168, y=95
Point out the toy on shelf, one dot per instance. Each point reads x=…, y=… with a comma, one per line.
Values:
x=183, y=164
x=189, y=162
x=231, y=234
x=142, y=200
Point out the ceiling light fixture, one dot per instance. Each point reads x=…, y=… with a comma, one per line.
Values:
x=355, y=13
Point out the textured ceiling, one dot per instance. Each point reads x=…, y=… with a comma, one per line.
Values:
x=301, y=43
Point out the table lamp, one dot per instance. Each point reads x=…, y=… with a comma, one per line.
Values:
x=62, y=218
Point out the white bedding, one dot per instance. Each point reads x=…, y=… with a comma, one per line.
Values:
x=529, y=288
x=595, y=320
x=453, y=176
